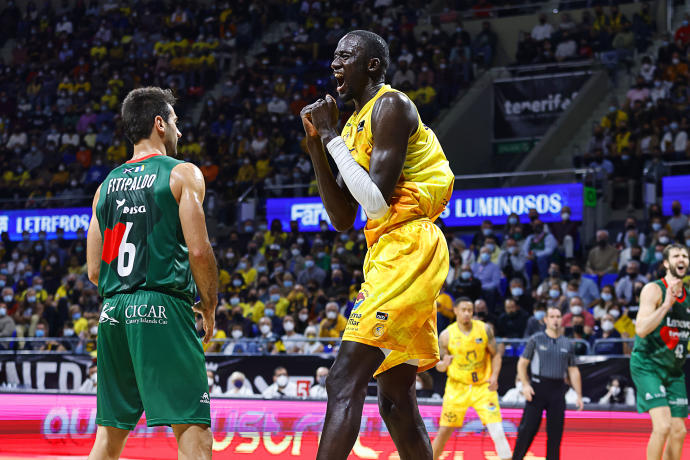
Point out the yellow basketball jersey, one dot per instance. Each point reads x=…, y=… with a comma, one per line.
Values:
x=471, y=363
x=426, y=181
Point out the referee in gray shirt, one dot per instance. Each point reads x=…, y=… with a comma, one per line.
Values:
x=550, y=356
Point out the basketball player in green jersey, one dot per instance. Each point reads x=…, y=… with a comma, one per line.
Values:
x=656, y=364
x=148, y=252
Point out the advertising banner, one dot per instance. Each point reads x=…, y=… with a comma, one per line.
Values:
x=465, y=208
x=52, y=426
x=675, y=188
x=526, y=107
x=49, y=220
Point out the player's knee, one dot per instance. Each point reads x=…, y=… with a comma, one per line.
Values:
x=339, y=387
x=678, y=430
x=395, y=405
x=662, y=428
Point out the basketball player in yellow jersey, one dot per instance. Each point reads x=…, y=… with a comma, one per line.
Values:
x=468, y=354
x=392, y=165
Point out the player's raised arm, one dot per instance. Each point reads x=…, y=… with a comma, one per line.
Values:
x=94, y=243
x=339, y=203
x=187, y=184
x=649, y=316
x=496, y=358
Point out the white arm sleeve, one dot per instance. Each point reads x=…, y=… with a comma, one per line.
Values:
x=362, y=188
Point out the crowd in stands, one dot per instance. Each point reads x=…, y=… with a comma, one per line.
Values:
x=632, y=141
x=606, y=34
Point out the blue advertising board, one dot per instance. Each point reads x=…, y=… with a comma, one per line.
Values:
x=466, y=207
x=675, y=188
x=34, y=220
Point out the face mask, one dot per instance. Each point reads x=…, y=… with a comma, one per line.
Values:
x=287, y=284
x=303, y=318
x=663, y=239
x=68, y=332
x=606, y=297
x=3, y=311
x=236, y=334
x=7, y=298
x=418, y=385
x=554, y=293
x=656, y=226
x=38, y=287
x=565, y=216
x=539, y=314
x=687, y=243
x=484, y=257
x=300, y=240
x=94, y=330
x=210, y=382
x=76, y=316
x=309, y=263
x=242, y=266
x=289, y=326
x=466, y=275
x=516, y=291
x=576, y=309
x=675, y=61
x=237, y=283
x=238, y=383
x=52, y=260
x=491, y=247
x=615, y=313
x=295, y=252
x=512, y=220
x=275, y=297
x=607, y=325
x=234, y=301
x=513, y=250
x=265, y=329
x=282, y=380
x=571, y=294
x=2, y=283
x=322, y=380
x=31, y=299
x=486, y=231
x=331, y=315
x=269, y=312
x=659, y=256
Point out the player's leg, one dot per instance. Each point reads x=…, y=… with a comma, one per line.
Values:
x=109, y=443
x=661, y=428
x=194, y=441
x=555, y=420
x=676, y=438
x=442, y=437
x=498, y=436
x=529, y=425
x=346, y=386
x=486, y=405
x=398, y=408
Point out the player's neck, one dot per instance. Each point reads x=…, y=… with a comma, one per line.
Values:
x=369, y=92
x=466, y=328
x=669, y=278
x=148, y=147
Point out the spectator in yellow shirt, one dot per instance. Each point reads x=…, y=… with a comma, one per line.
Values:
x=117, y=153
x=333, y=325
x=245, y=269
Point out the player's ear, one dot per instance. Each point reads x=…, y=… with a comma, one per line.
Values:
x=374, y=64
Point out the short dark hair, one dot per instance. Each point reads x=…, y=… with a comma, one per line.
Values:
x=667, y=249
x=141, y=106
x=461, y=299
x=375, y=47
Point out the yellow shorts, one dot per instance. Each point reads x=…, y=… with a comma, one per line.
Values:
x=395, y=309
x=458, y=398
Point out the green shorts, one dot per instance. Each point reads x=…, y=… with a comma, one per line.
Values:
x=656, y=388
x=150, y=359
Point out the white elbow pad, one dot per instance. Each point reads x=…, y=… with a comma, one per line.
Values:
x=358, y=182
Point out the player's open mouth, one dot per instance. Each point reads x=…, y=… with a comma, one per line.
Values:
x=340, y=80
x=680, y=267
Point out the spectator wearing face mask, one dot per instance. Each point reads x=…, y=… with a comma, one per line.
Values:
x=248, y=272
x=213, y=387
x=539, y=248
x=605, y=302
x=586, y=288
x=678, y=221
x=576, y=308
x=617, y=392
x=281, y=387
x=607, y=331
x=555, y=297
x=536, y=322
x=486, y=230
x=424, y=387
x=89, y=385
x=625, y=285
x=292, y=341
x=632, y=251
x=255, y=308
x=311, y=272
x=566, y=232
x=239, y=386
x=494, y=249
x=578, y=331
x=312, y=346
x=603, y=257
x=512, y=260
x=7, y=326
x=267, y=338
x=512, y=322
x=333, y=325
x=488, y=274
x=237, y=345
x=466, y=285
x=318, y=390
x=516, y=291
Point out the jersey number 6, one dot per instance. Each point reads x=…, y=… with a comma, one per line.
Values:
x=126, y=249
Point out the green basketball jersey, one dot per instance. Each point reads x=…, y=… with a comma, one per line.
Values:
x=143, y=244
x=667, y=346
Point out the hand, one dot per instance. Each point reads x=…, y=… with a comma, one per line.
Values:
x=324, y=115
x=309, y=129
x=447, y=359
x=580, y=405
x=527, y=392
x=493, y=383
x=673, y=292
x=208, y=316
